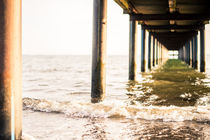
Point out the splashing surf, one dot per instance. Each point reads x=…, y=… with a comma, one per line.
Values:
x=198, y=113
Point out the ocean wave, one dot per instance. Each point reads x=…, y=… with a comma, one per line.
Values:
x=118, y=109
x=27, y=137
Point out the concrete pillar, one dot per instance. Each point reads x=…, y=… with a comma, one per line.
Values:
x=10, y=70
x=153, y=58
x=132, y=49
x=202, y=50
x=98, y=84
x=149, y=51
x=195, y=52
x=143, y=51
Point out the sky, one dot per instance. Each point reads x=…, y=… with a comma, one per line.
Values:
x=64, y=27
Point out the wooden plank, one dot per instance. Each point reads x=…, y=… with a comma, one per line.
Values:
x=142, y=17
x=175, y=27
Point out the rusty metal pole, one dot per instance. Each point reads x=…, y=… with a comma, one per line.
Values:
x=132, y=49
x=99, y=51
x=10, y=70
x=202, y=50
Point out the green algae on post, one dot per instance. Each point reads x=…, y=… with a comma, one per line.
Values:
x=175, y=83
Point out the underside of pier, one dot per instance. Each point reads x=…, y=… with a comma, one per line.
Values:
x=172, y=22
x=165, y=25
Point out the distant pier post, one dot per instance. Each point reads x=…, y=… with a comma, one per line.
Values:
x=188, y=52
x=10, y=70
x=161, y=53
x=193, y=45
x=195, y=52
x=157, y=44
x=202, y=50
x=132, y=49
x=184, y=53
x=99, y=51
x=153, y=52
x=181, y=53
x=191, y=51
x=149, y=51
x=143, y=50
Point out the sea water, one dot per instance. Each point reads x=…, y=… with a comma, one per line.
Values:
x=56, y=104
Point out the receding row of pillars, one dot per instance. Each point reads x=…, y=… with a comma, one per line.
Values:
x=10, y=61
x=153, y=53
x=194, y=51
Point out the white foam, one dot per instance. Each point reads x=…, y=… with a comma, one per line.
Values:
x=117, y=109
x=27, y=137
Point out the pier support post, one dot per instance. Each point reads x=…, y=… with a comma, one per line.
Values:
x=157, y=45
x=181, y=53
x=149, y=51
x=193, y=45
x=153, y=58
x=195, y=52
x=10, y=70
x=191, y=52
x=202, y=50
x=132, y=49
x=188, y=52
x=143, y=51
x=161, y=54
x=98, y=84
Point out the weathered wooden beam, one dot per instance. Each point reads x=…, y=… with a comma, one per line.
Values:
x=126, y=5
x=142, y=17
x=169, y=27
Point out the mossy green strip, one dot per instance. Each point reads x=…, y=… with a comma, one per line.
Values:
x=175, y=83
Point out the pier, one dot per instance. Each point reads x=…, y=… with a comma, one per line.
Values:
x=166, y=25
